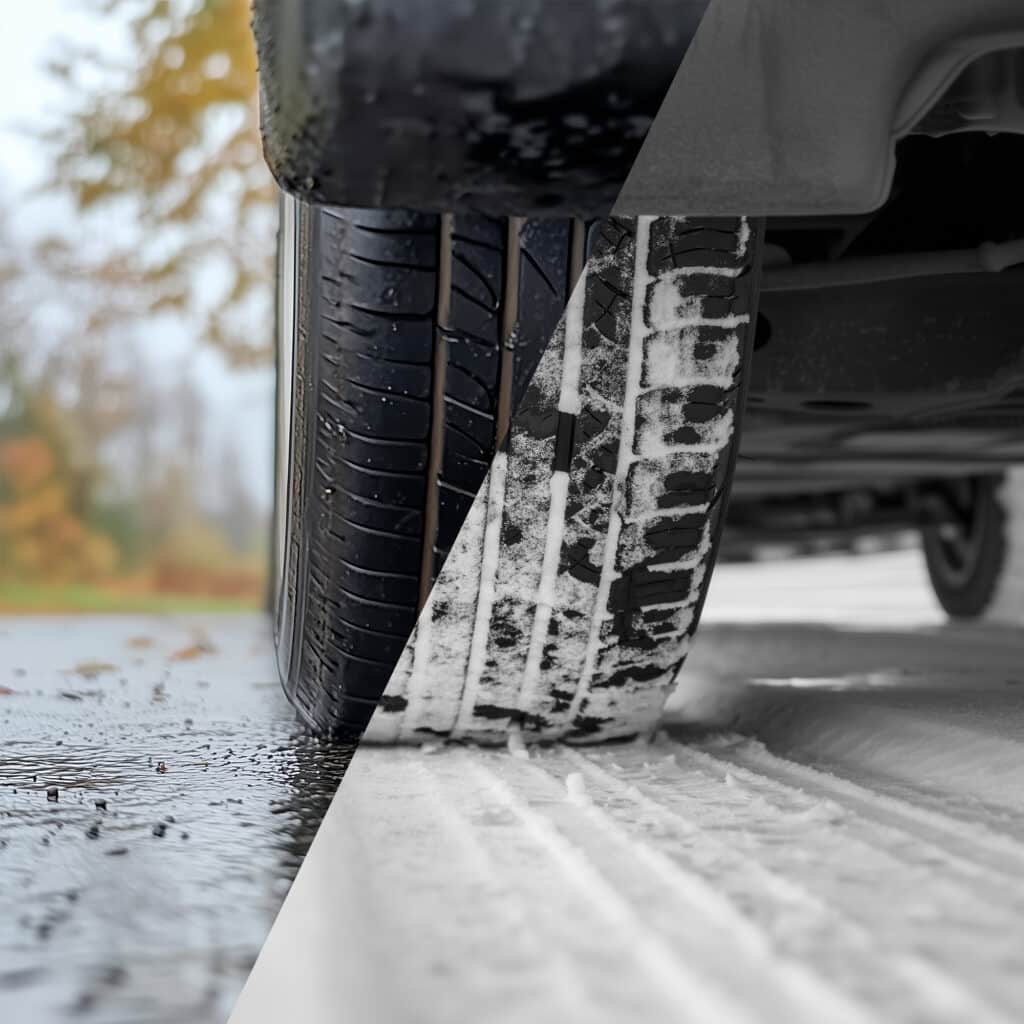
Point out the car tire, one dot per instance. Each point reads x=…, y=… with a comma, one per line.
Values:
x=567, y=606
x=406, y=339
x=976, y=564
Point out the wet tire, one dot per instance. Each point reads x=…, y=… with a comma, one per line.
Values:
x=976, y=565
x=567, y=605
x=406, y=339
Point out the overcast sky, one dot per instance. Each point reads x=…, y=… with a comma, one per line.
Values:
x=239, y=406
x=29, y=31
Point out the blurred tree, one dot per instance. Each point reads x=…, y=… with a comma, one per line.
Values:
x=166, y=122
x=170, y=236
x=44, y=501
x=238, y=517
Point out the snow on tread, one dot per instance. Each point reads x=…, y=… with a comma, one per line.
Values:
x=601, y=523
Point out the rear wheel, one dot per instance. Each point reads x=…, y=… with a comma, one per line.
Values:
x=975, y=555
x=566, y=604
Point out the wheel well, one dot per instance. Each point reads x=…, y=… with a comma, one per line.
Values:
x=956, y=191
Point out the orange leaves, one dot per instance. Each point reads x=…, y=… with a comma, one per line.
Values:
x=93, y=669
x=25, y=462
x=168, y=131
x=193, y=651
x=41, y=538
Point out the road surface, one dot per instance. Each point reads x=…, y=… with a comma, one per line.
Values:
x=843, y=842
x=182, y=799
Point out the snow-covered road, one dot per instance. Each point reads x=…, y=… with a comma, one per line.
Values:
x=846, y=844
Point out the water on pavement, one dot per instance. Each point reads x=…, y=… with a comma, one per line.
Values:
x=156, y=800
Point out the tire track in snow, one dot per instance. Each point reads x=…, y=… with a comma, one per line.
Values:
x=403, y=855
x=973, y=844
x=910, y=893
x=688, y=816
x=704, y=926
x=631, y=883
x=497, y=857
x=697, y=977
x=890, y=742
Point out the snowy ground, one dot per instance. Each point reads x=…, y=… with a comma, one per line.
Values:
x=847, y=845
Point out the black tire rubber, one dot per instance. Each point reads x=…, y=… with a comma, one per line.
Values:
x=567, y=606
x=969, y=565
x=415, y=336
x=274, y=566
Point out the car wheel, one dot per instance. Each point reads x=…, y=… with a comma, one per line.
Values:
x=567, y=606
x=975, y=557
x=407, y=339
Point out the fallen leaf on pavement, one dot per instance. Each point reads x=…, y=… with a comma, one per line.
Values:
x=196, y=650
x=92, y=669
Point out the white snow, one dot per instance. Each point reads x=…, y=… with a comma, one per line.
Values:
x=532, y=685
x=1008, y=602
x=546, y=592
x=576, y=789
x=440, y=646
x=673, y=355
x=485, y=598
x=516, y=744
x=627, y=433
x=572, y=359
x=847, y=850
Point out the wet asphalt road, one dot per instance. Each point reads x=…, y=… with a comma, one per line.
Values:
x=156, y=799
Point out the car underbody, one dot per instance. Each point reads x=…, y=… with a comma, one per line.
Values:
x=888, y=348
x=888, y=356
x=859, y=158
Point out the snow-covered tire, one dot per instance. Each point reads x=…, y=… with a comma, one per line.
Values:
x=567, y=605
x=405, y=340
x=977, y=569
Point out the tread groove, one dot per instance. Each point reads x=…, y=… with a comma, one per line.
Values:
x=442, y=317
x=510, y=317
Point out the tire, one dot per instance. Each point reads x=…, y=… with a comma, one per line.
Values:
x=282, y=268
x=567, y=606
x=408, y=339
x=976, y=565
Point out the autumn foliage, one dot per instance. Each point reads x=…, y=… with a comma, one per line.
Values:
x=42, y=536
x=168, y=134
x=156, y=150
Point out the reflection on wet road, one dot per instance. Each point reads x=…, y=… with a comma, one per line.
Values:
x=156, y=800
